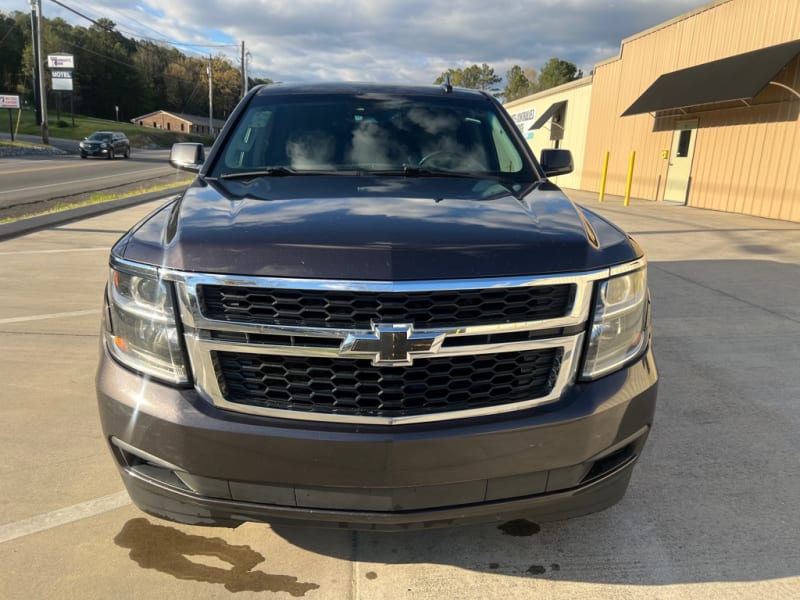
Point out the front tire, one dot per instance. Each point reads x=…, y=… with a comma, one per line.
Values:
x=111, y=154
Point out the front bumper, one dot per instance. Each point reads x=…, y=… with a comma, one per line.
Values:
x=95, y=151
x=185, y=460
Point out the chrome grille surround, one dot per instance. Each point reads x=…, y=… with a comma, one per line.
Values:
x=204, y=336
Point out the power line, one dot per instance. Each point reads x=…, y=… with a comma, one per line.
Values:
x=3, y=39
x=111, y=29
x=80, y=14
x=136, y=35
x=100, y=54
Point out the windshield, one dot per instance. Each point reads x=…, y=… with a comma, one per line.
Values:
x=99, y=136
x=371, y=134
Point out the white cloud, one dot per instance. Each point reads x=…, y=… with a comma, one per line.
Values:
x=377, y=40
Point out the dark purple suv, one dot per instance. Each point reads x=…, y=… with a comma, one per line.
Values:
x=373, y=309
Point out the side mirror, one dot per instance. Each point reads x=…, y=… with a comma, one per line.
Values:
x=187, y=156
x=556, y=162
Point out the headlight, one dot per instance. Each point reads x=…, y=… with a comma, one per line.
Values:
x=142, y=331
x=619, y=330
x=104, y=145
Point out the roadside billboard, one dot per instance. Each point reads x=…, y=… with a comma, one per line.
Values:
x=61, y=81
x=60, y=61
x=9, y=101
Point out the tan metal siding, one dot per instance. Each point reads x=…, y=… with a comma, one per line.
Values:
x=751, y=167
x=578, y=95
x=745, y=159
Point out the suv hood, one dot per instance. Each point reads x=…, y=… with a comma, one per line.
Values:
x=390, y=229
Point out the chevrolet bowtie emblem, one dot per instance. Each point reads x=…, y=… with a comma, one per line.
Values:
x=391, y=344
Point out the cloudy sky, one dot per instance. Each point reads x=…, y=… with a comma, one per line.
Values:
x=380, y=40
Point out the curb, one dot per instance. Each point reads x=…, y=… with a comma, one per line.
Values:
x=24, y=226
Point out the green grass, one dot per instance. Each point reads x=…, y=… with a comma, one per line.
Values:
x=20, y=144
x=139, y=136
x=100, y=198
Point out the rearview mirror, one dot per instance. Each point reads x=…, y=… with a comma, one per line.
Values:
x=555, y=161
x=187, y=156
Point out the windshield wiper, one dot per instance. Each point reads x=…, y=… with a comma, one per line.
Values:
x=414, y=171
x=410, y=171
x=272, y=172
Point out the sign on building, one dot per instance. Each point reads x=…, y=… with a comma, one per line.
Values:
x=524, y=120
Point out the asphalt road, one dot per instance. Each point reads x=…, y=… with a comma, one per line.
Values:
x=712, y=511
x=35, y=180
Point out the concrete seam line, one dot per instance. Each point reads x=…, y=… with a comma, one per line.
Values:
x=75, y=313
x=56, y=518
x=59, y=251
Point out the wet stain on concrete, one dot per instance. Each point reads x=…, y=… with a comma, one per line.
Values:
x=169, y=551
x=536, y=570
x=555, y=567
x=494, y=565
x=372, y=575
x=519, y=528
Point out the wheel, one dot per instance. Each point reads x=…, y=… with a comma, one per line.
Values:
x=111, y=154
x=127, y=153
x=83, y=155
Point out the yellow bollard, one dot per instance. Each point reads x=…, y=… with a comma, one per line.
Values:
x=630, y=180
x=603, y=178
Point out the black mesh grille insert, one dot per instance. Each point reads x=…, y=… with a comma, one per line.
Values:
x=356, y=310
x=357, y=388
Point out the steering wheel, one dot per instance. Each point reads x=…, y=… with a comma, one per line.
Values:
x=450, y=159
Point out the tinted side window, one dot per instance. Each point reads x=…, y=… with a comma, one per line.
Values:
x=248, y=145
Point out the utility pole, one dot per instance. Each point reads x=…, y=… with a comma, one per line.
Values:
x=210, y=99
x=36, y=104
x=38, y=69
x=244, y=71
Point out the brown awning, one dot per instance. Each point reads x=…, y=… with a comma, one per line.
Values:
x=546, y=115
x=739, y=77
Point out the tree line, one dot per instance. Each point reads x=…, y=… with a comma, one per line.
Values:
x=111, y=70
x=519, y=81
x=141, y=76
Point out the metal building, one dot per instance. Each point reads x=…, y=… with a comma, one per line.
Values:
x=710, y=103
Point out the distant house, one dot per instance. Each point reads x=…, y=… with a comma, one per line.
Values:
x=178, y=122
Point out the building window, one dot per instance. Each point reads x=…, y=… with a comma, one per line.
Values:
x=181, y=126
x=169, y=126
x=683, y=143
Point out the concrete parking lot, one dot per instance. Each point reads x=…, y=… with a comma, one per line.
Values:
x=712, y=511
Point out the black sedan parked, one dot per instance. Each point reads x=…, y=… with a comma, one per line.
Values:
x=107, y=144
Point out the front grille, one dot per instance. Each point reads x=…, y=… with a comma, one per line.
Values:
x=445, y=349
x=358, y=309
x=358, y=388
